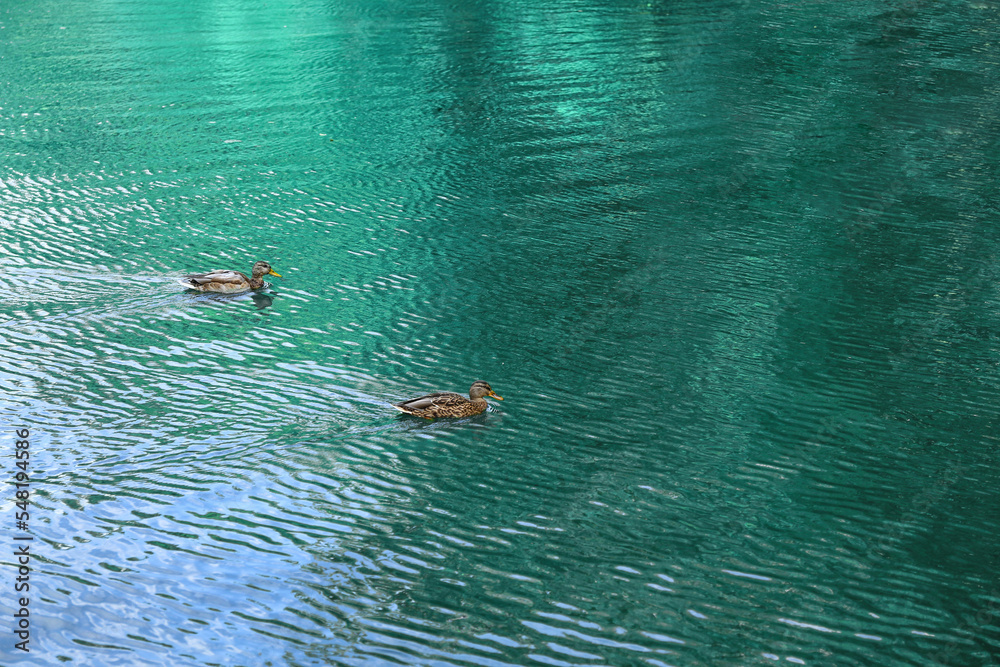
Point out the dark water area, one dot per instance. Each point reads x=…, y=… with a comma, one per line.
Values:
x=732, y=265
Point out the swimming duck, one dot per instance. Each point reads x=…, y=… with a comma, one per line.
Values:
x=222, y=280
x=449, y=404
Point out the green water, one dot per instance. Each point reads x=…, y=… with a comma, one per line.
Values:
x=732, y=265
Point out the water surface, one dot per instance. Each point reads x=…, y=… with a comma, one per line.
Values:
x=733, y=266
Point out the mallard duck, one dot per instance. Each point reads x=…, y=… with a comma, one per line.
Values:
x=222, y=280
x=448, y=403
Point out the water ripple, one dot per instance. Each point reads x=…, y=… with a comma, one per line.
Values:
x=731, y=270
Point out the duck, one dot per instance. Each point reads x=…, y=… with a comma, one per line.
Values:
x=448, y=403
x=225, y=281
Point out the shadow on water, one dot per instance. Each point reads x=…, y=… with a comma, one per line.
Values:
x=262, y=301
x=418, y=424
x=322, y=435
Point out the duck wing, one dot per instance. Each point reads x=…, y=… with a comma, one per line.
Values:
x=439, y=398
x=220, y=278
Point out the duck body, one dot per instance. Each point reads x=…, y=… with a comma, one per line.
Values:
x=448, y=403
x=225, y=281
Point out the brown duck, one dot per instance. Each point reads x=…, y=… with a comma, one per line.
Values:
x=222, y=280
x=449, y=404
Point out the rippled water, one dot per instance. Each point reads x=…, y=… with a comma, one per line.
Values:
x=733, y=265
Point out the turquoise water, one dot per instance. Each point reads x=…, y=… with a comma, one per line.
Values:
x=732, y=265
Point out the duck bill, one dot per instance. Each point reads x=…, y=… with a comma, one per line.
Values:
x=499, y=398
x=272, y=273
